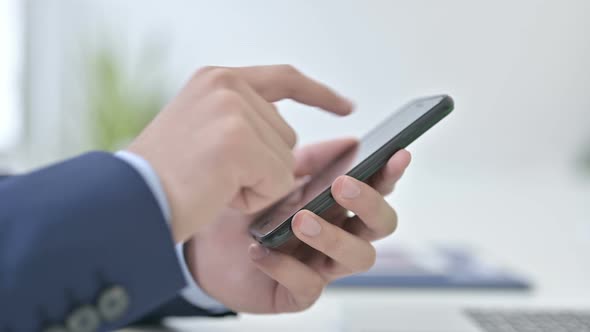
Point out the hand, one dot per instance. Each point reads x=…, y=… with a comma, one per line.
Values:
x=228, y=264
x=221, y=141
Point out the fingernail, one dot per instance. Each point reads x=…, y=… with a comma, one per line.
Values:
x=309, y=226
x=349, y=189
x=256, y=251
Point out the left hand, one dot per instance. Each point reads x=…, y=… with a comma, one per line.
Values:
x=231, y=267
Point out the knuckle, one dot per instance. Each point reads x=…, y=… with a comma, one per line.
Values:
x=221, y=78
x=228, y=101
x=387, y=223
x=392, y=225
x=234, y=130
x=203, y=71
x=288, y=70
x=291, y=136
x=334, y=241
x=373, y=201
x=236, y=126
x=310, y=294
x=369, y=260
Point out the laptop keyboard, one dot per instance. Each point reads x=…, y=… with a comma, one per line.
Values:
x=530, y=320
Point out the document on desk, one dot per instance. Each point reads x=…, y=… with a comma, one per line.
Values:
x=436, y=267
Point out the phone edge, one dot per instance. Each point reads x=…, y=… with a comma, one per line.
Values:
x=376, y=161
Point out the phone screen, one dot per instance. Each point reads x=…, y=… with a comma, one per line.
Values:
x=310, y=188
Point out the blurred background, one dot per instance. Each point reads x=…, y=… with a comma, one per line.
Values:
x=508, y=171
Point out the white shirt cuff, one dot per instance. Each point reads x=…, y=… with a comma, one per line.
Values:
x=192, y=293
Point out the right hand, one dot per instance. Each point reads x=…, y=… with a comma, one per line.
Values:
x=221, y=141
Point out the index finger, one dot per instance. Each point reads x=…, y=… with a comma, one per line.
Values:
x=277, y=82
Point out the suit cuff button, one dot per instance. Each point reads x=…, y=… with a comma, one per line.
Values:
x=113, y=303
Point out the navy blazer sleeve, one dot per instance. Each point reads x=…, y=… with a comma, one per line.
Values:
x=84, y=246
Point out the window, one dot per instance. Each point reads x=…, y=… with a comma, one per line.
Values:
x=10, y=70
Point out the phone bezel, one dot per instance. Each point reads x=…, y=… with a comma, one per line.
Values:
x=365, y=169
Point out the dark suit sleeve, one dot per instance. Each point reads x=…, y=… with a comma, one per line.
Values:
x=84, y=244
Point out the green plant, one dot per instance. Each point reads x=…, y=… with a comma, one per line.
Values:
x=121, y=103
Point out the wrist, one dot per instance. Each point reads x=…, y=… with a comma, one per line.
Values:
x=194, y=293
x=194, y=205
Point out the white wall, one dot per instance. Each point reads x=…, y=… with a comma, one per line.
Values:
x=519, y=72
x=10, y=79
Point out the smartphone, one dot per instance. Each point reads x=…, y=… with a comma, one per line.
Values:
x=273, y=228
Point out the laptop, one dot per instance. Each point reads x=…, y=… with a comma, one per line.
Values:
x=457, y=319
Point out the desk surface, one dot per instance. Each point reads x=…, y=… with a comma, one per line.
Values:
x=537, y=221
